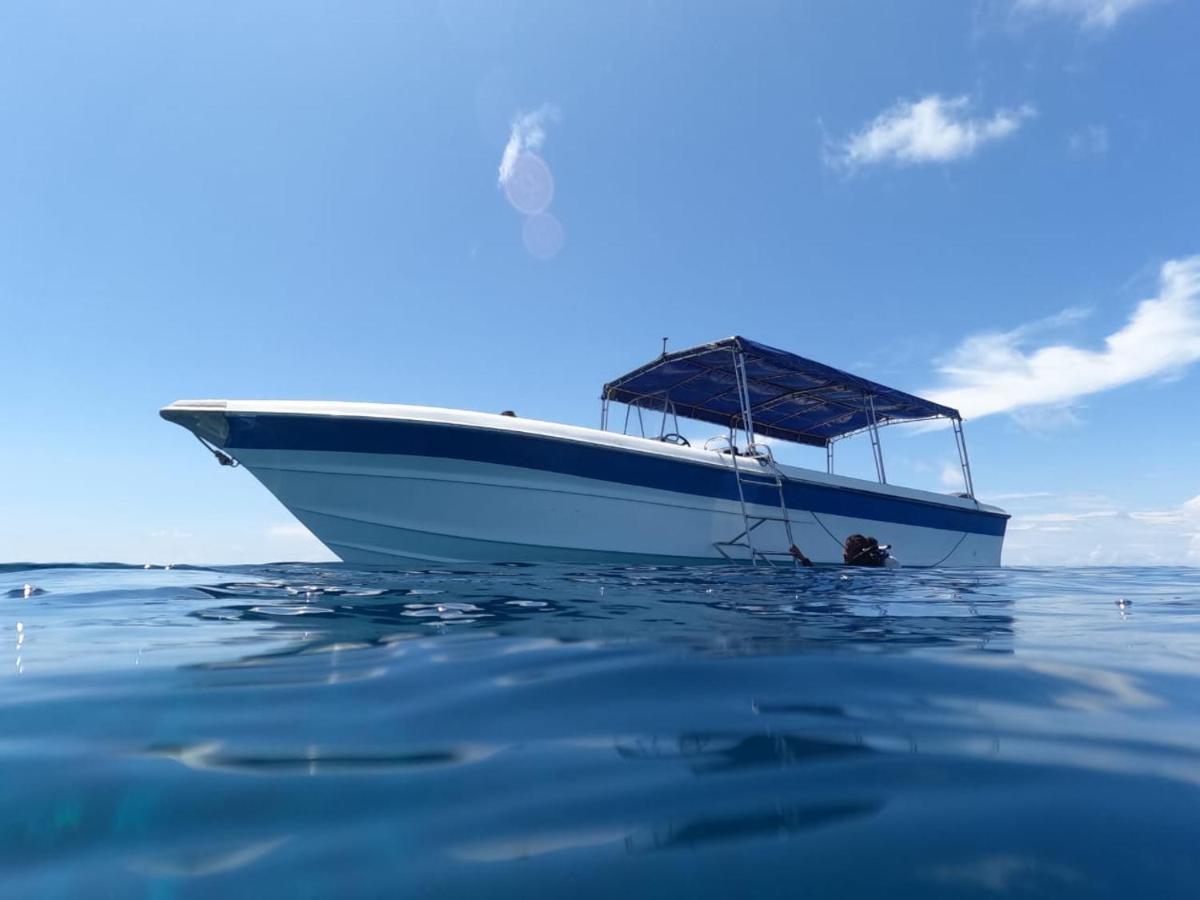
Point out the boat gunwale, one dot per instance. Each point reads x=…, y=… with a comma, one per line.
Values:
x=576, y=434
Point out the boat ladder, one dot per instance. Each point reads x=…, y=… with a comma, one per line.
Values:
x=767, y=475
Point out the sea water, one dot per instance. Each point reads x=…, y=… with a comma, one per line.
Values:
x=550, y=731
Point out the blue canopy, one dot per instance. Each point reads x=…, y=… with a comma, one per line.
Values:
x=790, y=397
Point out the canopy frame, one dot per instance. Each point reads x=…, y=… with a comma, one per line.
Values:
x=832, y=406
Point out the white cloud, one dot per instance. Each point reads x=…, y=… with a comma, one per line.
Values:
x=528, y=133
x=1046, y=419
x=1095, y=14
x=1072, y=516
x=1071, y=533
x=951, y=476
x=1090, y=141
x=293, y=541
x=933, y=129
x=289, y=531
x=1018, y=495
x=1187, y=514
x=996, y=373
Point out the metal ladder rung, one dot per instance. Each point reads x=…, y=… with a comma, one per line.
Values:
x=770, y=478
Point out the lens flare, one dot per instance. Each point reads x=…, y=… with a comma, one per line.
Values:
x=543, y=236
x=529, y=186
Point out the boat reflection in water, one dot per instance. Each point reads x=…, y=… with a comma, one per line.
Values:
x=736, y=611
x=725, y=754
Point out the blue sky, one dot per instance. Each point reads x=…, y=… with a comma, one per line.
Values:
x=995, y=202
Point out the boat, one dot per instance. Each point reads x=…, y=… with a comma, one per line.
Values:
x=391, y=484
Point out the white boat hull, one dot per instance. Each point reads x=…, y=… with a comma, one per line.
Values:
x=556, y=496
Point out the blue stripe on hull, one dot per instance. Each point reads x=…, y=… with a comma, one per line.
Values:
x=612, y=464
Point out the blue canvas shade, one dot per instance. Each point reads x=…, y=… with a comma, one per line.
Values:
x=791, y=398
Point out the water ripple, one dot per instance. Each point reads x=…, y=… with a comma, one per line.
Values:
x=603, y=731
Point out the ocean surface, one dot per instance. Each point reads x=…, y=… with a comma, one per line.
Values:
x=547, y=731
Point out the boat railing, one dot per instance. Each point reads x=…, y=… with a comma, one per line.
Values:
x=761, y=452
x=725, y=444
x=719, y=444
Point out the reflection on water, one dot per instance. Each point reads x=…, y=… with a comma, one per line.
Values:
x=776, y=822
x=315, y=760
x=518, y=730
x=736, y=611
x=717, y=753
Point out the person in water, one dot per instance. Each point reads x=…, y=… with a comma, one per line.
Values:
x=858, y=551
x=798, y=556
x=864, y=551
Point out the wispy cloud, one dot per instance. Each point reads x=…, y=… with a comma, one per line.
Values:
x=289, y=532
x=1186, y=514
x=1072, y=516
x=1093, y=14
x=951, y=477
x=528, y=133
x=1090, y=141
x=1065, y=530
x=1018, y=496
x=933, y=129
x=998, y=372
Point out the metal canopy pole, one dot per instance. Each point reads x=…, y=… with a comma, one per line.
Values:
x=961, y=440
x=739, y=369
x=829, y=457
x=604, y=413
x=875, y=445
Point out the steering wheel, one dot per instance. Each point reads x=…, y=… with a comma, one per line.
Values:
x=675, y=438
